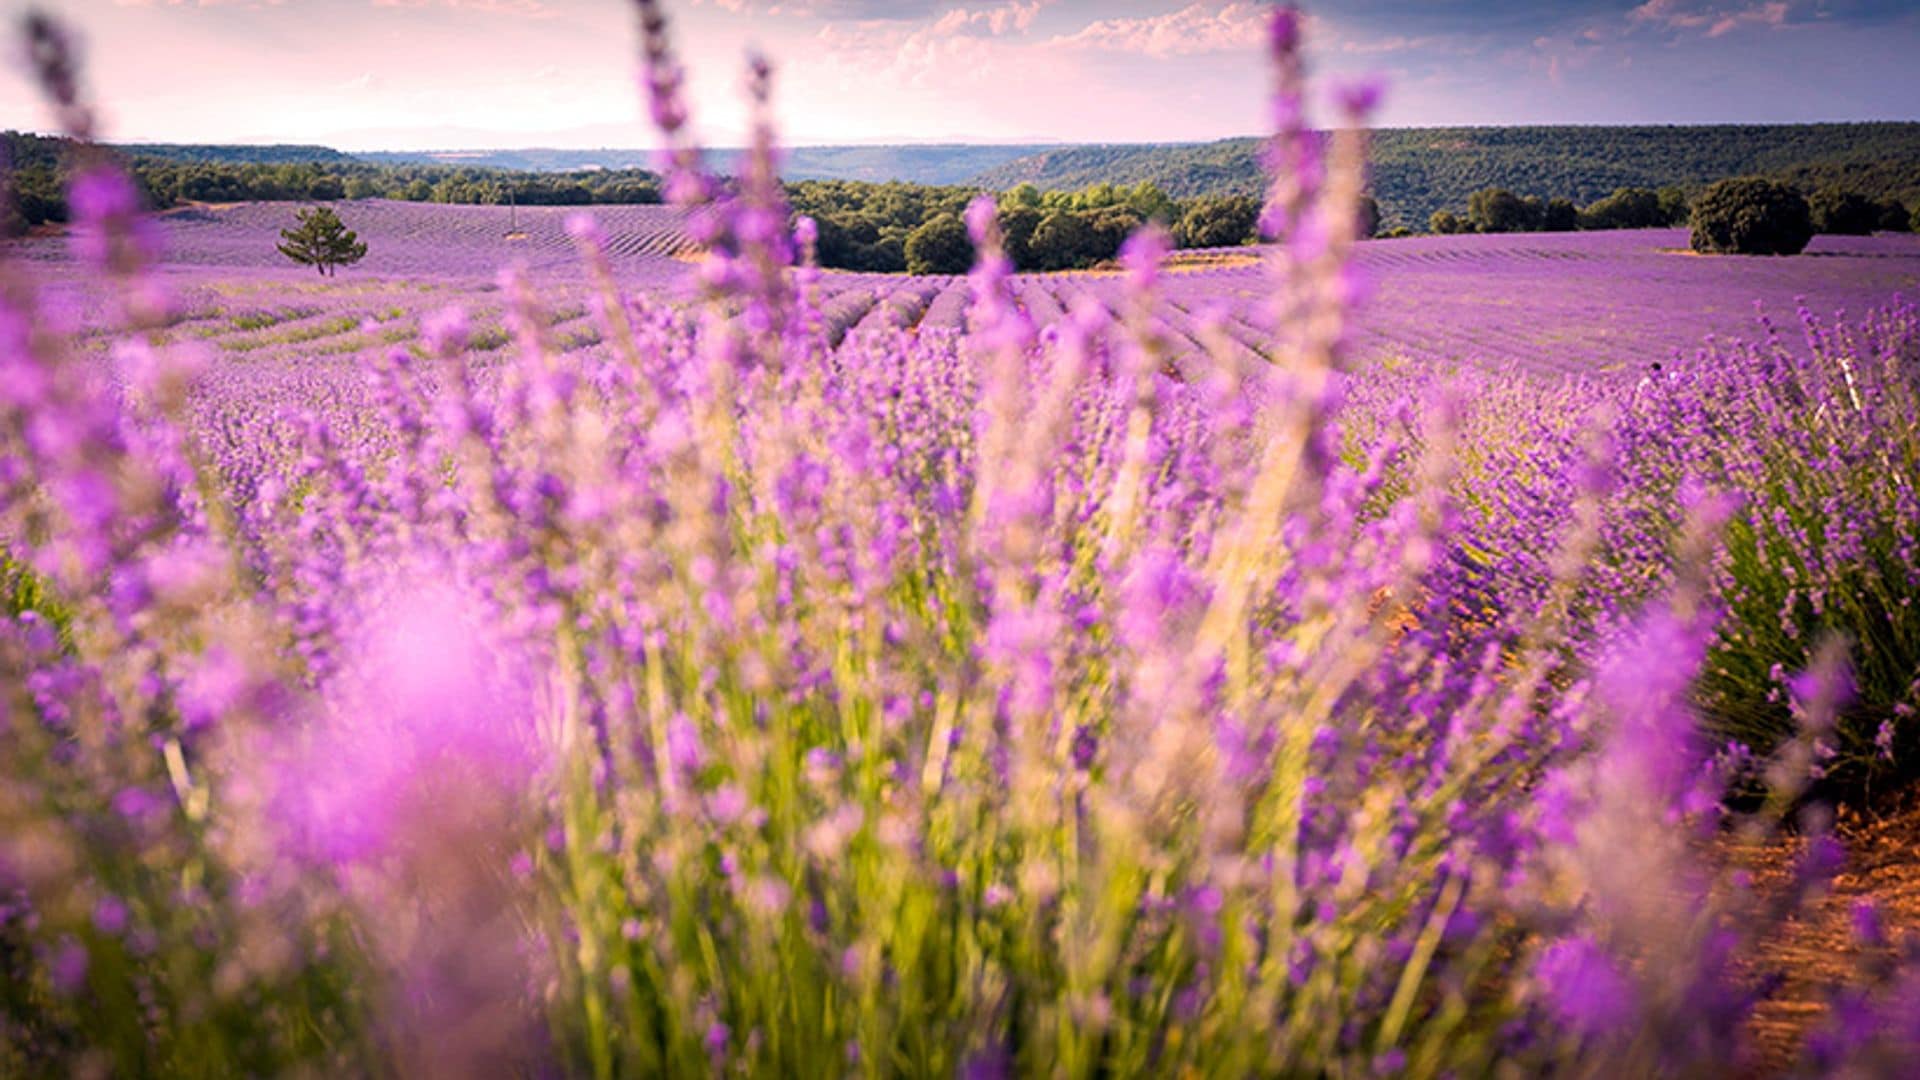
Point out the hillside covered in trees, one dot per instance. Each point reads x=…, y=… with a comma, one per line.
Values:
x=931, y=163
x=1070, y=208
x=169, y=175
x=1418, y=171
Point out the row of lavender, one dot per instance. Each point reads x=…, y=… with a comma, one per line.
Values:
x=1548, y=303
x=716, y=698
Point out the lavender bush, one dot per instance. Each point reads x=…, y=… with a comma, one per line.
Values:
x=1815, y=443
x=719, y=700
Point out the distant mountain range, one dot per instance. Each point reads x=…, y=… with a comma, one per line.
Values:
x=932, y=163
x=1415, y=171
x=240, y=154
x=939, y=164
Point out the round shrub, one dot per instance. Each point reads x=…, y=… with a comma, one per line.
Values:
x=1017, y=224
x=1561, y=216
x=940, y=246
x=1751, y=216
x=1497, y=210
x=1110, y=227
x=1062, y=241
x=1214, y=221
x=1844, y=213
x=1627, y=208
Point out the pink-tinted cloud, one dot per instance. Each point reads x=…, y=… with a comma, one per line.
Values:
x=1396, y=43
x=508, y=7
x=530, y=8
x=966, y=44
x=448, y=73
x=1200, y=27
x=992, y=21
x=847, y=10
x=1714, y=20
x=198, y=3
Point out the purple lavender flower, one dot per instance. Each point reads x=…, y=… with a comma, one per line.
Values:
x=1587, y=990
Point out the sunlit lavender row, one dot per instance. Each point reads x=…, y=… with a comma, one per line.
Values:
x=723, y=667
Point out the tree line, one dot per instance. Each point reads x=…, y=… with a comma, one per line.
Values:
x=904, y=227
x=37, y=182
x=1832, y=210
x=916, y=228
x=1417, y=171
x=882, y=227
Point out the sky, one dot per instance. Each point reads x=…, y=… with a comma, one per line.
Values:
x=445, y=74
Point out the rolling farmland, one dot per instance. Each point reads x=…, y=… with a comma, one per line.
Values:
x=1561, y=303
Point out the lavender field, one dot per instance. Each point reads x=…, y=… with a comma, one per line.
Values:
x=666, y=658
x=1577, y=303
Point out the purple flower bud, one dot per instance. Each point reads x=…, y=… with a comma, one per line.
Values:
x=445, y=332
x=1584, y=986
x=1358, y=100
x=982, y=219
x=110, y=916
x=1283, y=31
x=584, y=228
x=1142, y=255
x=1868, y=927
x=67, y=968
x=727, y=804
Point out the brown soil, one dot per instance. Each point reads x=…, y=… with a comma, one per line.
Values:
x=1819, y=949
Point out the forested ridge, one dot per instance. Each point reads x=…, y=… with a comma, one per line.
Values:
x=1418, y=171
x=1070, y=207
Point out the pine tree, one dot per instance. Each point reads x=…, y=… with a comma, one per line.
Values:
x=321, y=241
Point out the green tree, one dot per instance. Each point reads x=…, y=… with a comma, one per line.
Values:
x=321, y=241
x=1673, y=205
x=1214, y=221
x=1024, y=195
x=1151, y=203
x=1560, y=216
x=941, y=246
x=1445, y=223
x=1843, y=213
x=1893, y=217
x=1016, y=232
x=1111, y=227
x=1062, y=241
x=1497, y=210
x=1751, y=216
x=1626, y=208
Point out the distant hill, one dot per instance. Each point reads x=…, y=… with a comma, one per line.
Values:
x=1416, y=171
x=919, y=164
x=532, y=160
x=277, y=154
x=937, y=165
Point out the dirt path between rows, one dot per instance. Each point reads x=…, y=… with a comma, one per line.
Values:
x=1820, y=949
